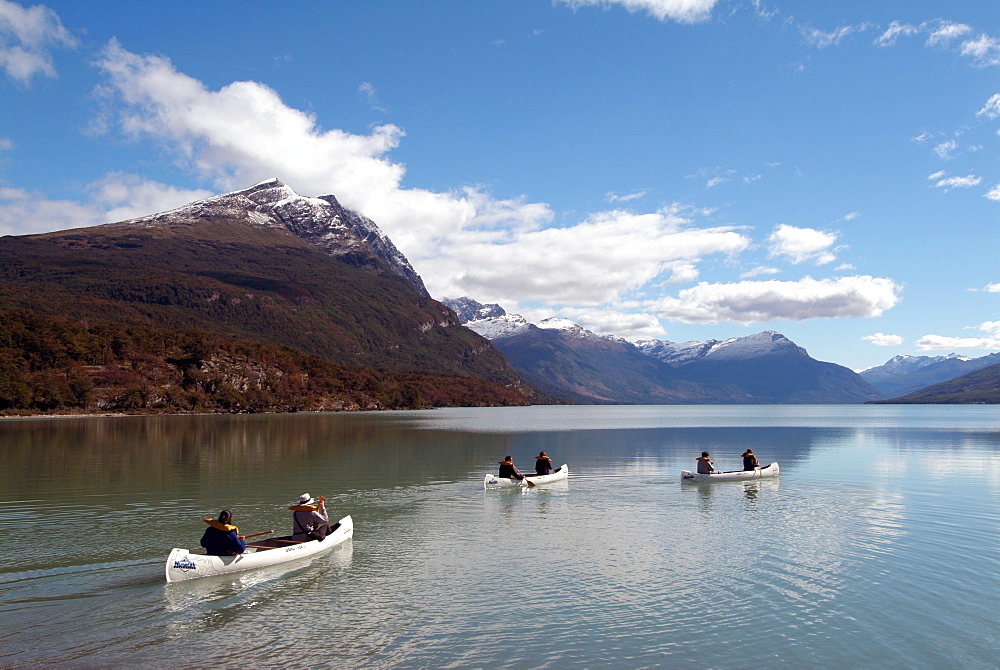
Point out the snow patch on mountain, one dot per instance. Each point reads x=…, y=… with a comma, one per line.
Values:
x=498, y=327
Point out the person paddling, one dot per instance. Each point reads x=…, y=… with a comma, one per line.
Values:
x=310, y=520
x=750, y=461
x=543, y=464
x=705, y=464
x=222, y=538
x=508, y=470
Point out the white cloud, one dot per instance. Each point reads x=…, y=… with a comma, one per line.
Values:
x=117, y=197
x=802, y=244
x=23, y=212
x=682, y=11
x=992, y=341
x=894, y=31
x=370, y=96
x=945, y=32
x=992, y=288
x=991, y=327
x=949, y=183
x=26, y=34
x=993, y=193
x=883, y=340
x=759, y=271
x=984, y=50
x=808, y=298
x=991, y=109
x=125, y=196
x=822, y=40
x=591, y=263
x=6, y=144
x=941, y=342
x=946, y=150
x=628, y=197
x=611, y=322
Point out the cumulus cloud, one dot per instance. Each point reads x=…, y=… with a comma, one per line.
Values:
x=941, y=342
x=992, y=288
x=23, y=212
x=116, y=197
x=802, y=244
x=26, y=35
x=623, y=324
x=125, y=196
x=463, y=242
x=993, y=193
x=883, y=340
x=808, y=298
x=991, y=341
x=591, y=263
x=682, y=11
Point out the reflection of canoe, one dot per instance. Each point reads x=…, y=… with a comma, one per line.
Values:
x=182, y=564
x=770, y=470
x=493, y=482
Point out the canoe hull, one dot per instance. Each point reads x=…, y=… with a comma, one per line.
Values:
x=183, y=565
x=770, y=470
x=494, y=482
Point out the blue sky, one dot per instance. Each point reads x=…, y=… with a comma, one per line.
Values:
x=677, y=169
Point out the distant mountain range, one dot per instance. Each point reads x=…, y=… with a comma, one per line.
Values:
x=564, y=360
x=903, y=375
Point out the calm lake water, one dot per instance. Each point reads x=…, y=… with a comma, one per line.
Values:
x=878, y=546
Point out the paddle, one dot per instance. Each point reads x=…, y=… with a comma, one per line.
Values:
x=266, y=532
x=242, y=537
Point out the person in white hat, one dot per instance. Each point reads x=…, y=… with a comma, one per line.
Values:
x=310, y=520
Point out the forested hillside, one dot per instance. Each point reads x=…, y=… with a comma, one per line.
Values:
x=51, y=364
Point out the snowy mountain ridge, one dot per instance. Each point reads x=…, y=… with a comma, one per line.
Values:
x=322, y=222
x=493, y=322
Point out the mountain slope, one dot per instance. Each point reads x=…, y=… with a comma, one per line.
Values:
x=978, y=387
x=233, y=266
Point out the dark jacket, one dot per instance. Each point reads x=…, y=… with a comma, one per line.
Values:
x=543, y=466
x=509, y=471
x=220, y=543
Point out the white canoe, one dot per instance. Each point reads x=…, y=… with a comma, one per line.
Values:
x=770, y=470
x=182, y=564
x=559, y=474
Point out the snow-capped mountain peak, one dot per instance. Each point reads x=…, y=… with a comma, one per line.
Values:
x=320, y=221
